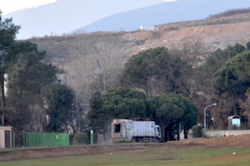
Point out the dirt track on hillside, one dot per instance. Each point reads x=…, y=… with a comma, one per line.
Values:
x=53, y=152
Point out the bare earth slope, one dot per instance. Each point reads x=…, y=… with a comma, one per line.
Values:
x=84, y=56
x=214, y=33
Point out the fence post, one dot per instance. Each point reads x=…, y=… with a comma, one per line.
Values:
x=24, y=139
x=91, y=137
x=54, y=140
x=13, y=140
x=43, y=139
x=34, y=140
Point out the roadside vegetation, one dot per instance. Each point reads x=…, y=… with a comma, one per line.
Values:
x=29, y=87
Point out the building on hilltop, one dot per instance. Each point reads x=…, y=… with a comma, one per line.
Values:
x=148, y=28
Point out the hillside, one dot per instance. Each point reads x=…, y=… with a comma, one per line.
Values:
x=84, y=56
x=214, y=33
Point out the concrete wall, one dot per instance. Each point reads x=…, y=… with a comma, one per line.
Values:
x=223, y=133
x=2, y=135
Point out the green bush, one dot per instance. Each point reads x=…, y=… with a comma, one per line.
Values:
x=81, y=138
x=197, y=131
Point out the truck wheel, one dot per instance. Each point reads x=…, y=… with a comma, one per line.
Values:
x=138, y=140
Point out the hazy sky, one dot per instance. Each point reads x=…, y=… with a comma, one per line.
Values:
x=8, y=6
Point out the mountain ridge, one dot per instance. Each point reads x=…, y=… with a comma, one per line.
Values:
x=64, y=15
x=178, y=10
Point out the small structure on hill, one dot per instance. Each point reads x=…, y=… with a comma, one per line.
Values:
x=234, y=122
x=147, y=28
x=5, y=136
x=62, y=79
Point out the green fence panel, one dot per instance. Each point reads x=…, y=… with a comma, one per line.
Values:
x=47, y=139
x=61, y=139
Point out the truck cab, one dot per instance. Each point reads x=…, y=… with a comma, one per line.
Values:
x=121, y=130
x=158, y=132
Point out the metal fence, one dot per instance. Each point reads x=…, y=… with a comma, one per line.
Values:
x=46, y=139
x=22, y=139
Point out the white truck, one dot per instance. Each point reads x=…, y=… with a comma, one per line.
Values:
x=126, y=130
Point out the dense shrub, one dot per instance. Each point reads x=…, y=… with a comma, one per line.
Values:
x=197, y=131
x=81, y=138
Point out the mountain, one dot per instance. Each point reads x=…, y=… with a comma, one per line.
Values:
x=66, y=15
x=176, y=11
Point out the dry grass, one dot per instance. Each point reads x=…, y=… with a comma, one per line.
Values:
x=196, y=155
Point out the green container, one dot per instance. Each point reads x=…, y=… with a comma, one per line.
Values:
x=47, y=139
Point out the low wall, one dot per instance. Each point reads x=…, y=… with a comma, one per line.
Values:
x=225, y=133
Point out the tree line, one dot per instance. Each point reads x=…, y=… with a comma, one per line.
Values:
x=29, y=88
x=228, y=72
x=160, y=93
x=162, y=84
x=169, y=111
x=171, y=91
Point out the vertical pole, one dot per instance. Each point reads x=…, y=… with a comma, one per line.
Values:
x=91, y=137
x=179, y=133
x=1, y=141
x=25, y=134
x=43, y=139
x=2, y=119
x=3, y=95
x=205, y=120
x=14, y=139
x=34, y=139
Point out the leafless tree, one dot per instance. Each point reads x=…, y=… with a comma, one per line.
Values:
x=192, y=50
x=96, y=62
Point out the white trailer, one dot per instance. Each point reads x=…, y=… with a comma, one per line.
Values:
x=125, y=130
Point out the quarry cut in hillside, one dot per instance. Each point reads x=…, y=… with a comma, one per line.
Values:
x=213, y=33
x=84, y=56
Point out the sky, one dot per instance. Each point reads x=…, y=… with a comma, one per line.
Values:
x=9, y=6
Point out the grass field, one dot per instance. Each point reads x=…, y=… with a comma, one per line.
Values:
x=191, y=156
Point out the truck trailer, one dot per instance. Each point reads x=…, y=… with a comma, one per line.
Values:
x=127, y=130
